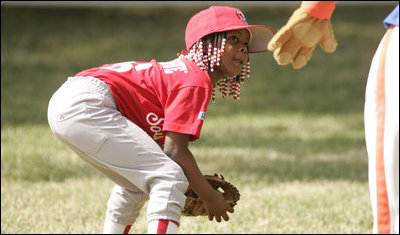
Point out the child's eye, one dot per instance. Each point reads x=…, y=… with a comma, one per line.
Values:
x=233, y=38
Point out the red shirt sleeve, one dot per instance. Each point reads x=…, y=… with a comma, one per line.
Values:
x=185, y=111
x=319, y=9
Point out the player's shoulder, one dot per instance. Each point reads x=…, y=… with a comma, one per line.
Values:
x=185, y=72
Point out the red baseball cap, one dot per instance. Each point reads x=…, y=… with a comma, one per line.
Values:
x=222, y=18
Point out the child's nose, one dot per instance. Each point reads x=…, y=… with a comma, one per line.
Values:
x=243, y=48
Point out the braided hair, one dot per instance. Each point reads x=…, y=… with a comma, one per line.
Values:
x=206, y=53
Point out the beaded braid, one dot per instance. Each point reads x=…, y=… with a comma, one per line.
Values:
x=206, y=53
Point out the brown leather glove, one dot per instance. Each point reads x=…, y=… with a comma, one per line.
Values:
x=295, y=42
x=195, y=207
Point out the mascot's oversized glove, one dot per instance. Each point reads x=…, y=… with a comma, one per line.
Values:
x=295, y=42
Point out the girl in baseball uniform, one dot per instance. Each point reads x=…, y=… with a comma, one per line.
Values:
x=133, y=121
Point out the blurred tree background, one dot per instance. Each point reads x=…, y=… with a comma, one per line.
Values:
x=42, y=46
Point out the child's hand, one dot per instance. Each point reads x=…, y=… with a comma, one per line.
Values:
x=217, y=207
x=295, y=42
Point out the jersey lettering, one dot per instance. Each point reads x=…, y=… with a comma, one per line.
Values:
x=154, y=121
x=120, y=67
x=143, y=66
x=173, y=66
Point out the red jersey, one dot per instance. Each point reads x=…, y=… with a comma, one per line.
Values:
x=159, y=96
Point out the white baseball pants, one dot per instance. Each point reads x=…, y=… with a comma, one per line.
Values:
x=83, y=114
x=381, y=117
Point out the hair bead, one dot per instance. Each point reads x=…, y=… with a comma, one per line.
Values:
x=209, y=51
x=207, y=54
x=248, y=68
x=223, y=46
x=213, y=94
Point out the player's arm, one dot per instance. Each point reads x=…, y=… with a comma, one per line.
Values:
x=176, y=147
x=308, y=26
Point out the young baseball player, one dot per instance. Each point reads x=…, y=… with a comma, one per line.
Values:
x=133, y=121
x=294, y=44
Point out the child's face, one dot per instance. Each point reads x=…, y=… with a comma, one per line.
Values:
x=236, y=52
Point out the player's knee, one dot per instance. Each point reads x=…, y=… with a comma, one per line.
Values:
x=124, y=206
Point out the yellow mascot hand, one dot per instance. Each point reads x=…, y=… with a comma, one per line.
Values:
x=295, y=42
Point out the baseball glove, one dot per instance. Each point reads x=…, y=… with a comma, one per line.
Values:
x=295, y=42
x=195, y=207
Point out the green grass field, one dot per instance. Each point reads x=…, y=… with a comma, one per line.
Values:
x=293, y=144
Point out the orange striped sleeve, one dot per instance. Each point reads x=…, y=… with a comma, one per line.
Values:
x=319, y=9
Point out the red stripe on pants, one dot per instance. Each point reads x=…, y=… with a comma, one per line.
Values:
x=383, y=214
x=163, y=226
x=127, y=228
